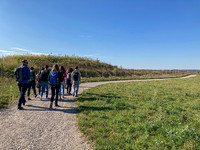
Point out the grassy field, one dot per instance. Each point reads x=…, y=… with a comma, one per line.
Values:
x=142, y=115
x=9, y=92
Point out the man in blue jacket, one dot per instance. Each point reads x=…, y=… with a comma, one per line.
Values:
x=23, y=85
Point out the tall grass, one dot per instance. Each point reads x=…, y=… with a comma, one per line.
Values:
x=88, y=67
x=142, y=115
x=9, y=92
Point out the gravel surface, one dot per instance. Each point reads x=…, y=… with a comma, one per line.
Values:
x=40, y=128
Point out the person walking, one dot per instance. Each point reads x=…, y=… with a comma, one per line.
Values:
x=54, y=77
x=22, y=75
x=44, y=81
x=38, y=78
x=76, y=79
x=69, y=80
x=31, y=83
x=62, y=81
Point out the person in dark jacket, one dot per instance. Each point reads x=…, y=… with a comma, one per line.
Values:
x=69, y=81
x=62, y=81
x=31, y=83
x=23, y=85
x=76, y=80
x=44, y=81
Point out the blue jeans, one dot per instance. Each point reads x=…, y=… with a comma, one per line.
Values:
x=63, y=88
x=44, y=85
x=22, y=89
x=75, y=88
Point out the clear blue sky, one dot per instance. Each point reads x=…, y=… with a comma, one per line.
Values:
x=138, y=34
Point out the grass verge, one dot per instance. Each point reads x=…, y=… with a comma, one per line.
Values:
x=9, y=92
x=142, y=115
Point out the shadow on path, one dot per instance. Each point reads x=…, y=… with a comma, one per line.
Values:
x=72, y=110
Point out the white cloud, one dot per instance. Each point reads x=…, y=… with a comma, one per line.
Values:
x=5, y=52
x=28, y=51
x=24, y=52
x=20, y=49
x=36, y=53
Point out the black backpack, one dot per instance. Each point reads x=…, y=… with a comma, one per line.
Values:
x=19, y=74
x=76, y=76
x=44, y=75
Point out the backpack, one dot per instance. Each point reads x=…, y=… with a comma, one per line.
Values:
x=19, y=74
x=31, y=76
x=75, y=76
x=44, y=76
x=69, y=76
x=38, y=76
x=54, y=80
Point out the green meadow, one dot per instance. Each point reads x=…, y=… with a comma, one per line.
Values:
x=142, y=115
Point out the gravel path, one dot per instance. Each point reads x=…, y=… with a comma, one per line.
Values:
x=40, y=128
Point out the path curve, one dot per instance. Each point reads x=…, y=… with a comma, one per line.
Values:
x=40, y=128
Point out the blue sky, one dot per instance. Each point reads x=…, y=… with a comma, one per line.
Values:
x=137, y=34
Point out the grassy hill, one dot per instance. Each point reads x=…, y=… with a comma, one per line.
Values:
x=88, y=67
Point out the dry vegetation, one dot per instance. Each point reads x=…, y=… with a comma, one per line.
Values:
x=88, y=67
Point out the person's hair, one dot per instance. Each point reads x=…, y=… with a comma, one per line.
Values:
x=57, y=67
x=25, y=60
x=76, y=67
x=53, y=68
x=32, y=68
x=46, y=66
x=69, y=70
x=42, y=68
x=62, y=68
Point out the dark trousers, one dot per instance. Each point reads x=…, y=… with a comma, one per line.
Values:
x=31, y=84
x=22, y=89
x=69, y=86
x=54, y=91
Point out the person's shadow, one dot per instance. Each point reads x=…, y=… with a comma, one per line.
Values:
x=72, y=110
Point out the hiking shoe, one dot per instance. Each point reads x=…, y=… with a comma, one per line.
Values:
x=51, y=104
x=20, y=108
x=62, y=96
x=57, y=105
x=29, y=98
x=35, y=95
x=73, y=94
x=41, y=98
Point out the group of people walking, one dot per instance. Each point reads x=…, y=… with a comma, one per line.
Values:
x=58, y=78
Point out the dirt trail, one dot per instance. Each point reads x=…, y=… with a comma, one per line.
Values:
x=40, y=128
